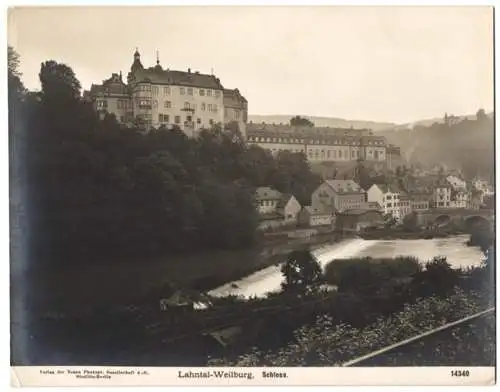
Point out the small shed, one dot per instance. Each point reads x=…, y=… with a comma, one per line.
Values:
x=316, y=216
x=358, y=220
x=184, y=301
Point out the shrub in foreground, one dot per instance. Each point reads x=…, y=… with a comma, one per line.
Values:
x=329, y=344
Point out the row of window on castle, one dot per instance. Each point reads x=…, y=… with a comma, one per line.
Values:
x=312, y=141
x=329, y=154
x=165, y=118
x=147, y=103
x=167, y=90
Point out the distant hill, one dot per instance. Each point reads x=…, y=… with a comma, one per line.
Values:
x=335, y=122
x=467, y=144
x=428, y=122
x=323, y=122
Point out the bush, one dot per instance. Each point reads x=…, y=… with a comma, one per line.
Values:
x=367, y=275
x=438, y=278
x=327, y=343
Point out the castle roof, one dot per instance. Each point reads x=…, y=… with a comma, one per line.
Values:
x=111, y=86
x=315, y=135
x=157, y=75
x=233, y=98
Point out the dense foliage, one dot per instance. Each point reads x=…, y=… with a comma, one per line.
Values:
x=299, y=121
x=482, y=236
x=100, y=190
x=329, y=343
x=380, y=302
x=301, y=272
x=370, y=276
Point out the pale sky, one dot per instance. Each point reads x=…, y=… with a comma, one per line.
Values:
x=397, y=64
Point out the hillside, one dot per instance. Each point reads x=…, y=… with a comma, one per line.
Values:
x=467, y=144
x=323, y=121
x=428, y=122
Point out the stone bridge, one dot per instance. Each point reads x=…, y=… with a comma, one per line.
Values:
x=461, y=216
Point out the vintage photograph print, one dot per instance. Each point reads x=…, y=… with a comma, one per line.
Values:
x=252, y=195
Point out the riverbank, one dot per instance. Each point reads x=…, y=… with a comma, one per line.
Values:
x=80, y=287
x=269, y=279
x=400, y=234
x=146, y=336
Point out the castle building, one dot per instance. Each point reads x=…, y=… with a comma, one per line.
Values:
x=393, y=157
x=154, y=97
x=320, y=144
x=235, y=109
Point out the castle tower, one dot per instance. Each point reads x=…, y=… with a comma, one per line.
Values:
x=136, y=65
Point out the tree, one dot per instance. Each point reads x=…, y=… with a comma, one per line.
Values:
x=292, y=174
x=299, y=121
x=99, y=190
x=302, y=273
x=389, y=220
x=15, y=85
x=363, y=175
x=481, y=115
x=489, y=201
x=59, y=83
x=410, y=221
x=438, y=278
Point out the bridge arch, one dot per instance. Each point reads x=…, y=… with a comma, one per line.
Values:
x=475, y=221
x=442, y=219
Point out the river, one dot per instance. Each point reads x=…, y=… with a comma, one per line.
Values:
x=458, y=254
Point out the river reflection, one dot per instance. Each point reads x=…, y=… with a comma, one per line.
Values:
x=458, y=254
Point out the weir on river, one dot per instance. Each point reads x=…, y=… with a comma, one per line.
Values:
x=454, y=248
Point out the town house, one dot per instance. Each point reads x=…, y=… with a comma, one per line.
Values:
x=339, y=195
x=267, y=200
x=289, y=208
x=276, y=209
x=459, y=198
x=419, y=200
x=404, y=204
x=460, y=195
x=388, y=196
x=441, y=194
x=321, y=216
